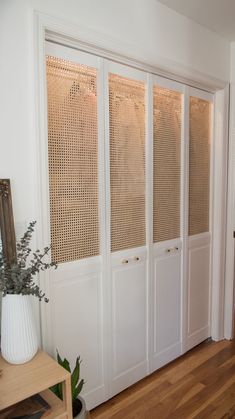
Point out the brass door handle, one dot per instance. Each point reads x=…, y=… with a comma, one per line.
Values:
x=172, y=249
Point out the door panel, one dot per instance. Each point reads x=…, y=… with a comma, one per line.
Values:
x=127, y=162
x=199, y=242
x=199, y=165
x=129, y=331
x=167, y=287
x=73, y=160
x=167, y=139
x=167, y=120
x=127, y=226
x=167, y=303
x=77, y=322
x=73, y=178
x=199, y=289
x=129, y=315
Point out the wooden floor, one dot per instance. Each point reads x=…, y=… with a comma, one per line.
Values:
x=201, y=384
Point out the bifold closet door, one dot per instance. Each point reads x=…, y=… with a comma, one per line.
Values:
x=199, y=226
x=167, y=247
x=132, y=240
x=127, y=131
x=73, y=177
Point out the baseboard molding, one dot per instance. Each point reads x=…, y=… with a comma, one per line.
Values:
x=94, y=397
x=197, y=337
x=163, y=358
x=128, y=378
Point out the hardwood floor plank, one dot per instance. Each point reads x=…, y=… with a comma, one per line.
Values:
x=134, y=403
x=192, y=392
x=156, y=400
x=214, y=386
x=200, y=385
x=219, y=406
x=196, y=359
x=210, y=400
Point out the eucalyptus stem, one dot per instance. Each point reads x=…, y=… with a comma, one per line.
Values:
x=18, y=277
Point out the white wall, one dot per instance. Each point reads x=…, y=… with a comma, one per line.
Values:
x=232, y=67
x=143, y=28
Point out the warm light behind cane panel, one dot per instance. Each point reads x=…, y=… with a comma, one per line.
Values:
x=167, y=116
x=199, y=165
x=73, y=160
x=127, y=162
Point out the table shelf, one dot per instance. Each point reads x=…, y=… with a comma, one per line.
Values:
x=19, y=382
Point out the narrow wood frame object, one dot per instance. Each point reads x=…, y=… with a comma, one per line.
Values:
x=7, y=221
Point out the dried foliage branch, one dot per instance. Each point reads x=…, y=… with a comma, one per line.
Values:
x=19, y=277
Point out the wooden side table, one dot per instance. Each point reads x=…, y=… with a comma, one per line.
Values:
x=18, y=382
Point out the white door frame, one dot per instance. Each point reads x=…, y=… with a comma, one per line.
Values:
x=219, y=280
x=47, y=27
x=230, y=250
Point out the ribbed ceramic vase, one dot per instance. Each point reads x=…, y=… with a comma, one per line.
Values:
x=19, y=341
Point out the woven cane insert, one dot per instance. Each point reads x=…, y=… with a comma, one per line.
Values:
x=199, y=165
x=127, y=162
x=166, y=163
x=73, y=160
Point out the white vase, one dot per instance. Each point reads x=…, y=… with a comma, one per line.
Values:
x=19, y=341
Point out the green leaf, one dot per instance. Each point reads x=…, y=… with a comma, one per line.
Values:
x=60, y=391
x=57, y=390
x=78, y=389
x=75, y=375
x=66, y=365
x=59, y=360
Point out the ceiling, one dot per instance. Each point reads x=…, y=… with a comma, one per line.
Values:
x=216, y=15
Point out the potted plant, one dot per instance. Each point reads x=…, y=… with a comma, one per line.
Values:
x=17, y=283
x=79, y=406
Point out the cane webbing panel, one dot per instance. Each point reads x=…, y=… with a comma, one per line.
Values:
x=199, y=165
x=127, y=162
x=73, y=160
x=166, y=163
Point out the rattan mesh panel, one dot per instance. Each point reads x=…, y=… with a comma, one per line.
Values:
x=127, y=162
x=73, y=160
x=166, y=163
x=199, y=165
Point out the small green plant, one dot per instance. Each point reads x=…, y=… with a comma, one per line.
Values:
x=18, y=277
x=76, y=383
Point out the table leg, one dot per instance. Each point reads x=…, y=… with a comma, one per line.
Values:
x=67, y=397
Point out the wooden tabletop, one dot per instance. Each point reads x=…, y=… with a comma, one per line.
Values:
x=17, y=382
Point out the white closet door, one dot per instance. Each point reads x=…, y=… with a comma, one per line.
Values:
x=75, y=198
x=167, y=208
x=128, y=216
x=199, y=226
x=127, y=131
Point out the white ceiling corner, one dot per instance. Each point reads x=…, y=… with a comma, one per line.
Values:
x=216, y=15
